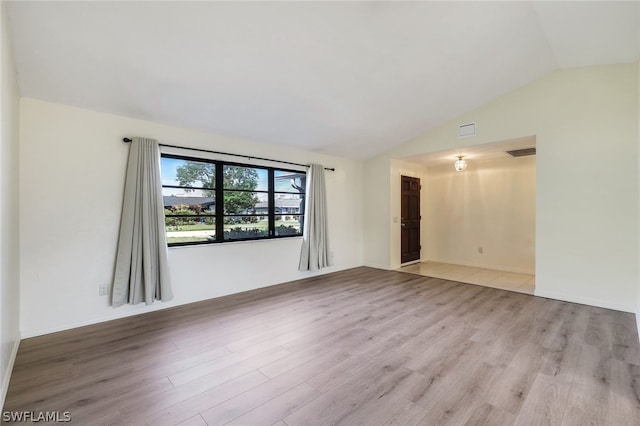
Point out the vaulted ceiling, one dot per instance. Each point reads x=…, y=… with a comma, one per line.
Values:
x=345, y=78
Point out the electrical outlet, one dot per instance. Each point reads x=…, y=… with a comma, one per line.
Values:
x=480, y=250
x=103, y=289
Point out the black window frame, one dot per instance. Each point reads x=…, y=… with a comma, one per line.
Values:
x=219, y=215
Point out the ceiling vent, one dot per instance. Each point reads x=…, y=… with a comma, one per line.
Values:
x=466, y=130
x=522, y=152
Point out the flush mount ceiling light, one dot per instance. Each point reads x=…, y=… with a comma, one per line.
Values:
x=460, y=164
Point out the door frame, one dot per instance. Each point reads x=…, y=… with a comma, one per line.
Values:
x=410, y=220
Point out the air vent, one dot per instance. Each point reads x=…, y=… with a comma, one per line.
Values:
x=522, y=152
x=466, y=130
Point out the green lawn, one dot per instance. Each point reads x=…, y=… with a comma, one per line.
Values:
x=172, y=240
x=197, y=227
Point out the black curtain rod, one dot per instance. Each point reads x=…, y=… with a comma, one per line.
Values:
x=127, y=140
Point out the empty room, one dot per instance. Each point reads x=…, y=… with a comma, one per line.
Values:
x=292, y=213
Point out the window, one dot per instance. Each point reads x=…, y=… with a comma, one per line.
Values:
x=210, y=201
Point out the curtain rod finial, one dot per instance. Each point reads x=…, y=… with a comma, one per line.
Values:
x=127, y=140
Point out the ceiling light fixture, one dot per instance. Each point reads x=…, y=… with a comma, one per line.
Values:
x=460, y=164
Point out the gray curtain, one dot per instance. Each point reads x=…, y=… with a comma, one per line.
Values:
x=314, y=253
x=142, y=273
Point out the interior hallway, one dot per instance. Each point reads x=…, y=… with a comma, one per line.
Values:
x=512, y=281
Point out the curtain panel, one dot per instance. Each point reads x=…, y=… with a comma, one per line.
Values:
x=142, y=271
x=314, y=253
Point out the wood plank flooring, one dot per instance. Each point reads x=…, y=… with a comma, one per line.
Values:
x=362, y=346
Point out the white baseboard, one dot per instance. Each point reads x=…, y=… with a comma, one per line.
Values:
x=587, y=301
x=482, y=265
x=377, y=266
x=6, y=376
x=139, y=309
x=157, y=306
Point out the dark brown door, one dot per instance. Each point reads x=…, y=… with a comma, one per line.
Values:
x=410, y=220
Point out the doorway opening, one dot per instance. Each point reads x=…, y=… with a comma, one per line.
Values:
x=478, y=225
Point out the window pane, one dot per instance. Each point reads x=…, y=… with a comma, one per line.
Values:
x=293, y=182
x=181, y=172
x=182, y=240
x=245, y=178
x=190, y=229
x=241, y=227
x=239, y=203
x=195, y=202
x=289, y=204
x=288, y=225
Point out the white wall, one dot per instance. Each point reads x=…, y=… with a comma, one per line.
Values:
x=490, y=205
x=71, y=181
x=9, y=216
x=586, y=125
x=377, y=212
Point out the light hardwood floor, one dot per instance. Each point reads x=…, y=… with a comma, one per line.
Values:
x=504, y=280
x=362, y=346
